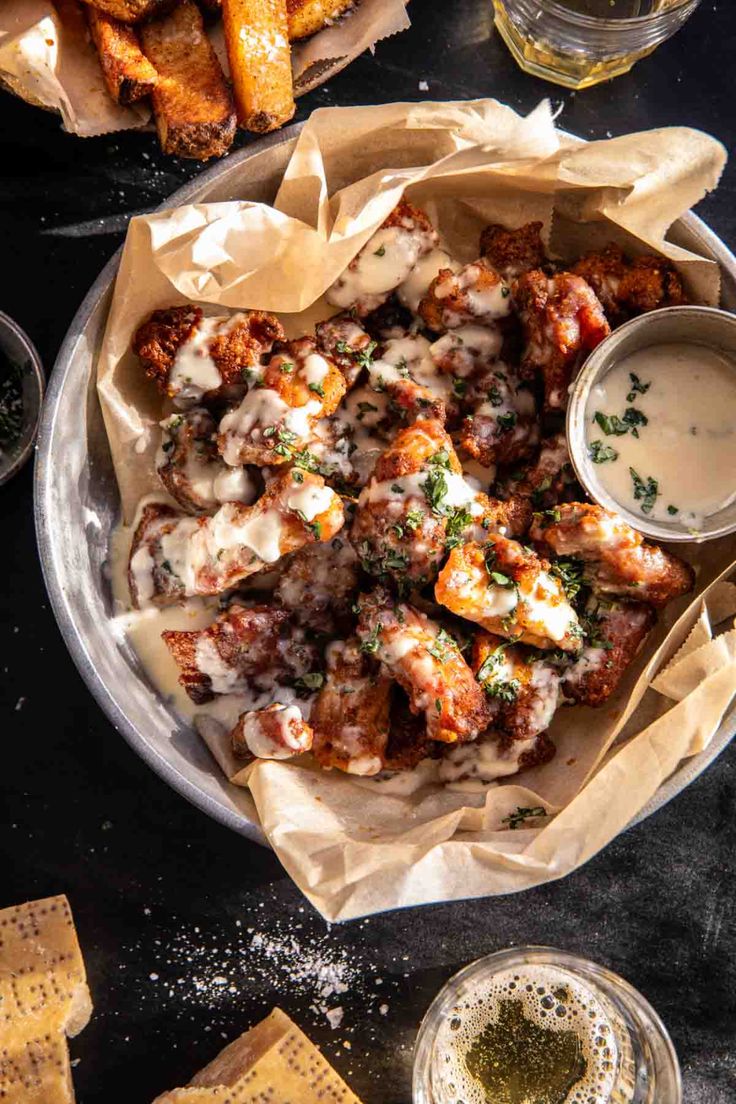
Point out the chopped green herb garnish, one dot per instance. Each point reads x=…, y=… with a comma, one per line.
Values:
x=637, y=387
x=495, y=397
x=380, y=252
x=435, y=489
x=313, y=680
x=506, y=421
x=613, y=426
x=673, y=510
x=397, y=488
x=440, y=459
x=371, y=645
x=517, y=819
x=570, y=574
x=287, y=367
x=600, y=453
x=413, y=519
x=317, y=388
x=645, y=491
x=367, y=408
x=458, y=519
x=459, y=387
x=297, y=476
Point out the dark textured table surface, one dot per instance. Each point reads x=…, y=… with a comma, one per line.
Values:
x=191, y=933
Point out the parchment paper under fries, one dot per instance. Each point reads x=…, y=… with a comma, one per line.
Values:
x=50, y=67
x=352, y=848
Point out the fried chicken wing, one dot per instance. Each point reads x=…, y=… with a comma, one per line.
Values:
x=562, y=321
x=614, y=634
x=512, y=252
x=546, y=480
x=346, y=343
x=476, y=294
x=509, y=590
x=493, y=756
x=500, y=424
x=174, y=556
x=468, y=351
x=417, y=504
x=192, y=470
x=191, y=357
x=385, y=260
x=617, y=559
x=243, y=645
x=627, y=288
x=299, y=387
x=350, y=715
x=319, y=583
x=416, y=285
x=426, y=661
x=523, y=687
x=276, y=732
x=406, y=372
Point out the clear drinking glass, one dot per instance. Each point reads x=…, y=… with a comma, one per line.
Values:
x=506, y=1017
x=581, y=42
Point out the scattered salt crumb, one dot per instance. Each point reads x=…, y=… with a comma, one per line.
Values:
x=106, y=825
x=153, y=977
x=334, y=1016
x=75, y=1062
x=423, y=86
x=383, y=1009
x=347, y=1044
x=19, y=704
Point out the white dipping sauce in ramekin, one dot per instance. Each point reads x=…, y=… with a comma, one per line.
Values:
x=661, y=431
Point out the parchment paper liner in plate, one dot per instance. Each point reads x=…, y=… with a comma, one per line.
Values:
x=352, y=848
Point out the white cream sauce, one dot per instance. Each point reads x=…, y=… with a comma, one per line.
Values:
x=481, y=762
x=416, y=285
x=685, y=454
x=194, y=371
x=383, y=263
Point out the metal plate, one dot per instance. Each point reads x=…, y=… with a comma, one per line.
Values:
x=76, y=507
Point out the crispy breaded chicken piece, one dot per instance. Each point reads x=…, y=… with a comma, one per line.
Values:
x=562, y=321
x=131, y=11
x=276, y=732
x=523, y=686
x=350, y=716
x=426, y=661
x=385, y=260
x=617, y=559
x=627, y=288
x=243, y=644
x=192, y=470
x=417, y=504
x=191, y=357
x=500, y=424
x=546, y=480
x=174, y=556
x=319, y=584
x=494, y=755
x=468, y=351
x=614, y=634
x=345, y=342
x=475, y=295
x=406, y=372
x=299, y=387
x=512, y=252
x=509, y=590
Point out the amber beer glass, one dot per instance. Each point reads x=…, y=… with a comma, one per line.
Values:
x=538, y=1024
x=577, y=43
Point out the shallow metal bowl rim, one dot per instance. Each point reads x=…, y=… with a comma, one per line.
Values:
x=685, y=774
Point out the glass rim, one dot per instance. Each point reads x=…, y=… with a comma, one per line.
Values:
x=597, y=22
x=533, y=953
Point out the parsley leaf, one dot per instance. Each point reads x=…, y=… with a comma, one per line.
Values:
x=645, y=492
x=317, y=388
x=435, y=489
x=516, y=819
x=506, y=421
x=458, y=519
x=600, y=453
x=637, y=387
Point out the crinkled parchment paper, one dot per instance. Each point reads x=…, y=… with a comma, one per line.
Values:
x=352, y=847
x=56, y=67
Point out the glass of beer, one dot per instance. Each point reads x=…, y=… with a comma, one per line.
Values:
x=581, y=42
x=537, y=1024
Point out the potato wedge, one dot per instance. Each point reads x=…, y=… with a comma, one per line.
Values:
x=128, y=73
x=194, y=109
x=131, y=11
x=256, y=36
x=306, y=17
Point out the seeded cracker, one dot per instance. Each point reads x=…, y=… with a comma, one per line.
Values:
x=273, y=1062
x=43, y=999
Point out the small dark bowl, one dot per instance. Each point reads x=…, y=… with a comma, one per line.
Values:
x=19, y=349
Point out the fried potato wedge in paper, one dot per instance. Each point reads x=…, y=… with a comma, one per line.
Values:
x=194, y=110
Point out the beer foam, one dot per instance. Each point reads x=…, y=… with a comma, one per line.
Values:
x=550, y=998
